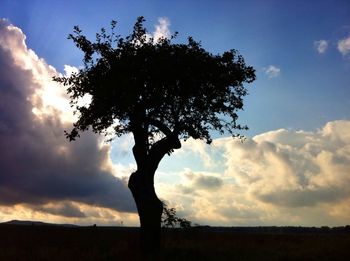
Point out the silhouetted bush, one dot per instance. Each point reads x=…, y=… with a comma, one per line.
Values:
x=169, y=219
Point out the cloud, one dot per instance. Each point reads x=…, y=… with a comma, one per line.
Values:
x=38, y=166
x=344, y=46
x=321, y=46
x=199, y=148
x=69, y=70
x=162, y=29
x=294, y=169
x=280, y=177
x=201, y=181
x=272, y=71
x=208, y=182
x=65, y=209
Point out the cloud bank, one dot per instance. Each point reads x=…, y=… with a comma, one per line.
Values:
x=38, y=166
x=294, y=169
x=280, y=177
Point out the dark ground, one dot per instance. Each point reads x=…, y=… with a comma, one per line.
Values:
x=40, y=242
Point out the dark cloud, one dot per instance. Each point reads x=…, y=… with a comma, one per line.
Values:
x=65, y=209
x=186, y=190
x=303, y=198
x=200, y=182
x=37, y=164
x=208, y=182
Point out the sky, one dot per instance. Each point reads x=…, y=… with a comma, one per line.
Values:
x=292, y=169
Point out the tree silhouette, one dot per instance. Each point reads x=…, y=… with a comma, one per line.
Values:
x=161, y=92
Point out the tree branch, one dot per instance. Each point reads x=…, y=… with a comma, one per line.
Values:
x=161, y=126
x=162, y=147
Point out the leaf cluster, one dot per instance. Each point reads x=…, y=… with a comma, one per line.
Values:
x=162, y=87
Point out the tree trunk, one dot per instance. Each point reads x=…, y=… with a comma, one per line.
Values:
x=141, y=184
x=150, y=209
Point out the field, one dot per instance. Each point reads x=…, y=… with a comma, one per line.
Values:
x=33, y=242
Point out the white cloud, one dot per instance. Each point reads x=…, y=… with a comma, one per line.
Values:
x=344, y=46
x=162, y=29
x=272, y=71
x=277, y=178
x=321, y=46
x=69, y=70
x=200, y=148
x=294, y=169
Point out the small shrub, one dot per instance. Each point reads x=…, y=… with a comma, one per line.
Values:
x=170, y=220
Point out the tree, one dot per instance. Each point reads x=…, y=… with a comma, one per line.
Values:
x=161, y=92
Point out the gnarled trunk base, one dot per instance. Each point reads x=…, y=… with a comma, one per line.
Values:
x=150, y=210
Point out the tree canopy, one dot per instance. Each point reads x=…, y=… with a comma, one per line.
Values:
x=159, y=88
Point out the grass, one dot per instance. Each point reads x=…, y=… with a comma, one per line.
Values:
x=110, y=243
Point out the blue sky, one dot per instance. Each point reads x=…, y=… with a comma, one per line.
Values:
x=279, y=33
x=301, y=53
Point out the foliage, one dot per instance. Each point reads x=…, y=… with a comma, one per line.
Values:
x=169, y=218
x=157, y=88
